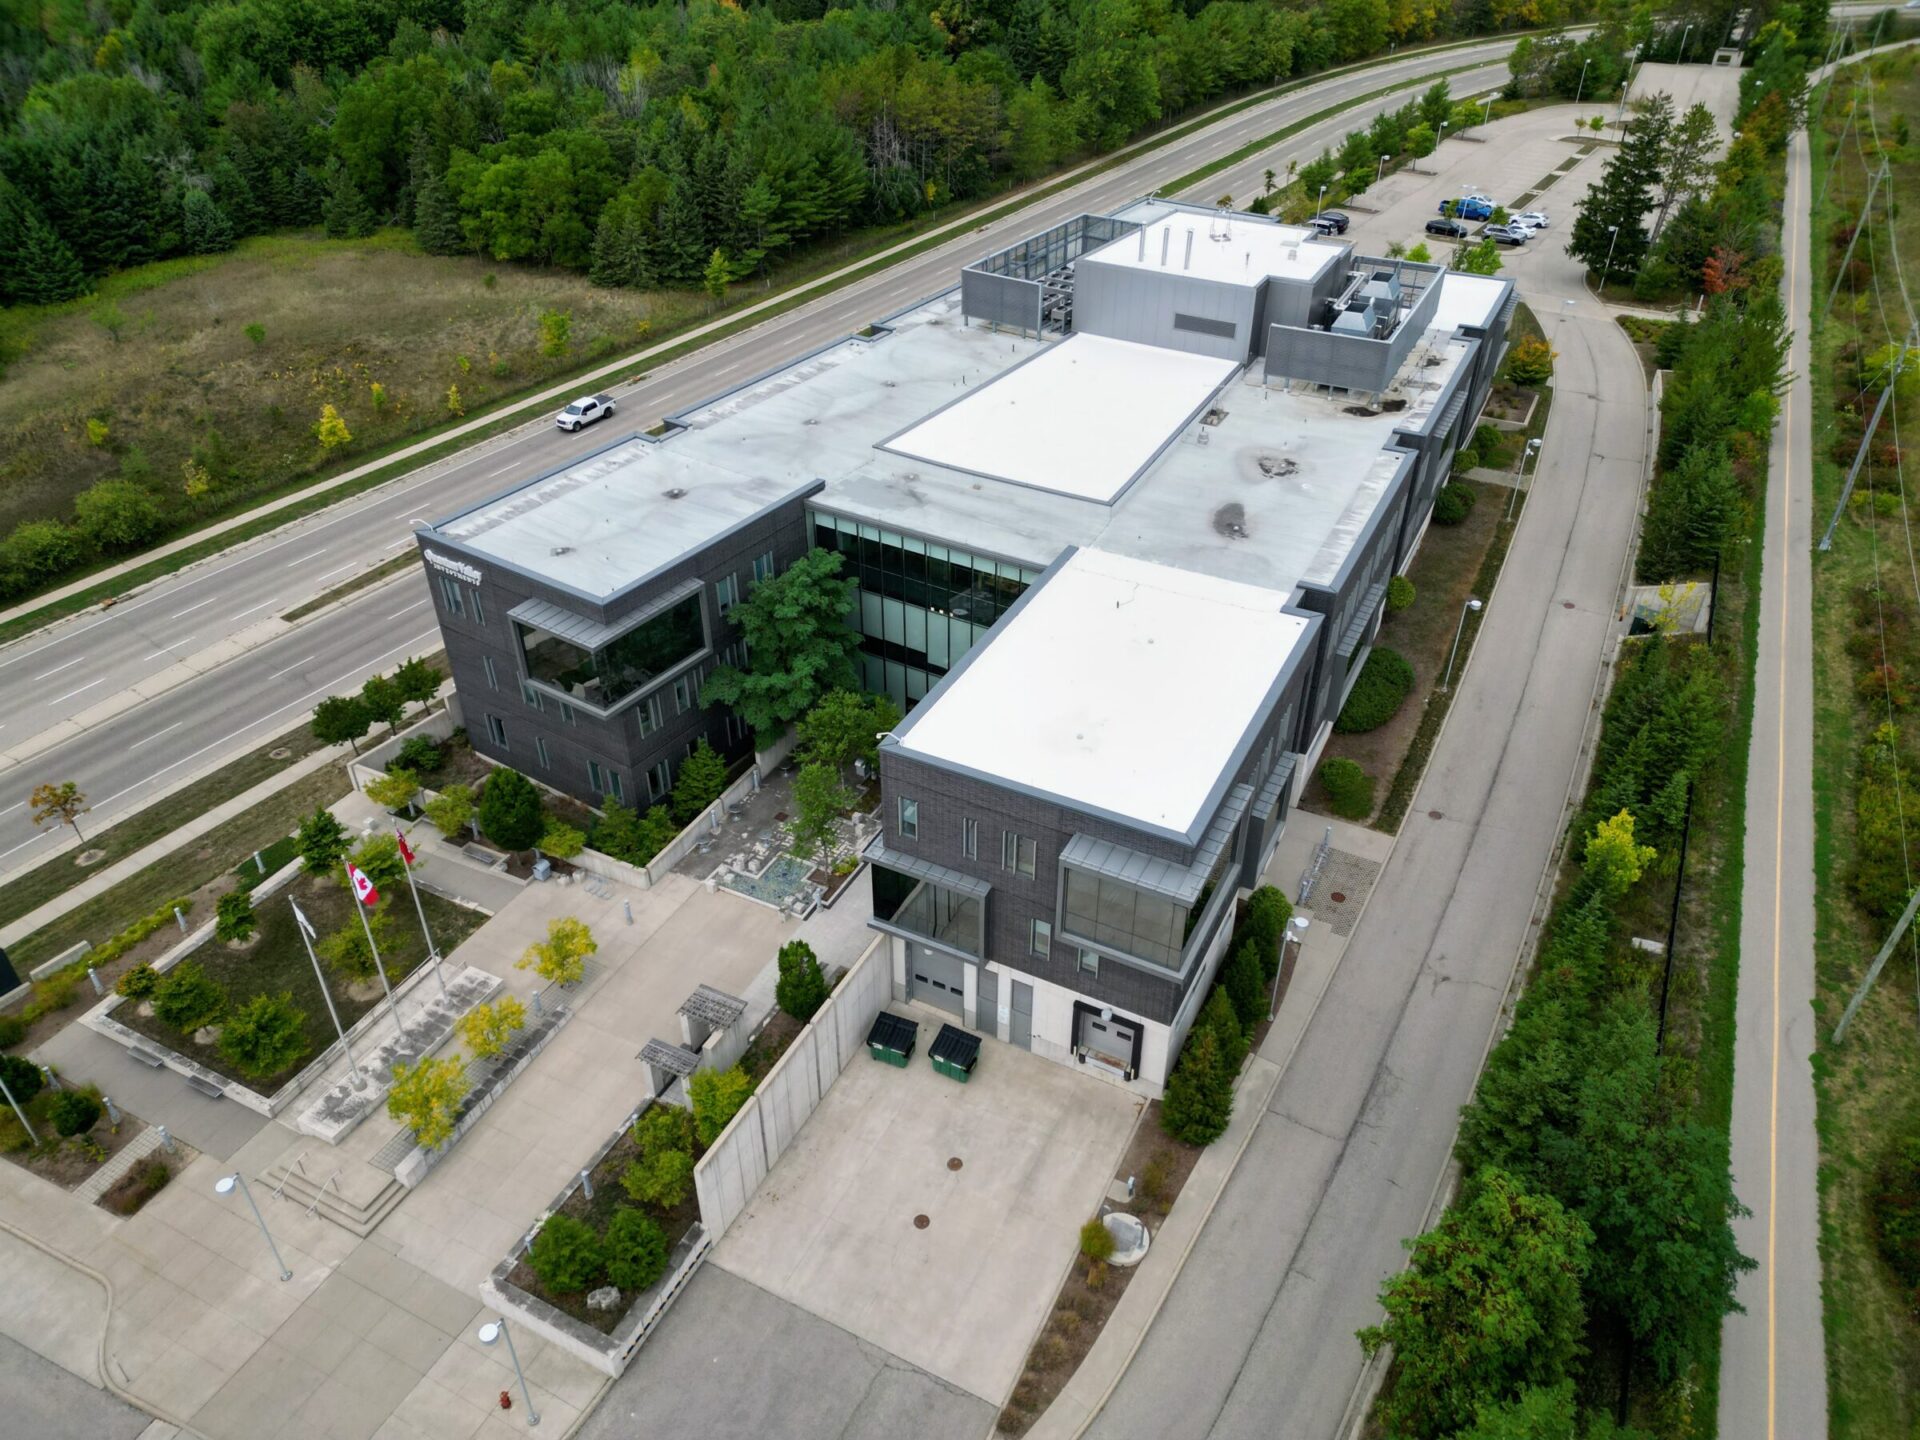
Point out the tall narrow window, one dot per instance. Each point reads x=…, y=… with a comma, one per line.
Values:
x=1017, y=853
x=726, y=593
x=479, y=611
x=659, y=780
x=493, y=676
x=763, y=567
x=970, y=838
x=496, y=731
x=540, y=749
x=683, y=695
x=596, y=777
x=1040, y=939
x=451, y=593
x=909, y=819
x=1089, y=962
x=615, y=788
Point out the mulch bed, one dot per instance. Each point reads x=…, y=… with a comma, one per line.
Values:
x=132, y=1190
x=66, y=1163
x=1161, y=1165
x=769, y=1045
x=830, y=883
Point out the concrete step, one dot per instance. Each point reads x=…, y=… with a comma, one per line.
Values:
x=315, y=1195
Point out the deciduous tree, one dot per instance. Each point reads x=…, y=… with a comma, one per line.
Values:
x=799, y=646
x=63, y=802
x=562, y=957
x=426, y=1098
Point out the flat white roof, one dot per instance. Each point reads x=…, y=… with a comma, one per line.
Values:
x=1081, y=418
x=614, y=518
x=1120, y=686
x=1234, y=250
x=1466, y=300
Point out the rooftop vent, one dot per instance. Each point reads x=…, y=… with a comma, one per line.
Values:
x=1213, y=416
x=676, y=493
x=561, y=550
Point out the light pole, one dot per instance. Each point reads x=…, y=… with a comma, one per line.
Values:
x=1581, y=88
x=1381, y=168
x=1620, y=116
x=1532, y=451
x=1684, y=35
x=4, y=1090
x=1607, y=269
x=1486, y=110
x=1296, y=935
x=224, y=1186
x=1321, y=204
x=1443, y=136
x=494, y=1330
x=1458, y=630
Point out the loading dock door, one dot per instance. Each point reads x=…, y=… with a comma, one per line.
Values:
x=1020, y=1017
x=1108, y=1042
x=937, y=977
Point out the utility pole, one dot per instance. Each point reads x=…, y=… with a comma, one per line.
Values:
x=1859, y=456
x=1866, y=209
x=1873, y=970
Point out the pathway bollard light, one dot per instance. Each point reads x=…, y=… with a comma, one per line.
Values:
x=1458, y=630
x=494, y=1330
x=94, y=976
x=113, y=1111
x=224, y=1186
x=166, y=1141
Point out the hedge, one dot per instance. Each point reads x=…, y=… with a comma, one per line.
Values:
x=1349, y=788
x=1384, y=684
x=1453, y=504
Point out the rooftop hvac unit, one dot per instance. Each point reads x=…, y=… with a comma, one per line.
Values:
x=1352, y=322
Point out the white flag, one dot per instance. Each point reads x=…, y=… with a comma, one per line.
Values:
x=301, y=920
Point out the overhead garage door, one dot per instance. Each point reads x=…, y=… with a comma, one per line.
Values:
x=1109, y=1042
x=938, y=978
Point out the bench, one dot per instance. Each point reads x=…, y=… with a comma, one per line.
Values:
x=146, y=1057
x=206, y=1087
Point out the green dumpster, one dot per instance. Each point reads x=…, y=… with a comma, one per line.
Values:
x=955, y=1053
x=892, y=1039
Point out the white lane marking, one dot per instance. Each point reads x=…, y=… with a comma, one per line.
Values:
x=261, y=606
x=71, y=693
x=58, y=668
x=295, y=666
x=191, y=608
x=304, y=558
x=11, y=808
x=157, y=734
x=501, y=471
x=415, y=606
x=348, y=566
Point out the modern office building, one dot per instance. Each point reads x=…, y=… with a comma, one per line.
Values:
x=1122, y=508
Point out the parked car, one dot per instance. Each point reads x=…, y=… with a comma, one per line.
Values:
x=1329, y=222
x=584, y=412
x=1505, y=235
x=1452, y=229
x=1469, y=207
x=1536, y=219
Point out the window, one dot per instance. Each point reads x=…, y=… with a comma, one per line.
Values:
x=493, y=676
x=726, y=592
x=532, y=696
x=909, y=819
x=1134, y=922
x=615, y=788
x=1016, y=853
x=920, y=907
x=596, y=777
x=652, y=715
x=540, y=749
x=763, y=567
x=479, y=611
x=496, y=731
x=683, y=695
x=1040, y=939
x=452, y=595
x=568, y=713
x=629, y=662
x=970, y=838
x=659, y=780
x=1088, y=963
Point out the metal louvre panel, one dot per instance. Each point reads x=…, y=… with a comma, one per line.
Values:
x=1363, y=617
x=591, y=634
x=954, y=880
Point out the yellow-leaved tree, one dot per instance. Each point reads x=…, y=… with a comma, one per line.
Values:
x=562, y=956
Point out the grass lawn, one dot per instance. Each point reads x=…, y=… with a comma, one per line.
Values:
x=24, y=893
x=275, y=961
x=1868, y=1089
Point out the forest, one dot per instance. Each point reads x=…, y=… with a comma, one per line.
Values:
x=666, y=144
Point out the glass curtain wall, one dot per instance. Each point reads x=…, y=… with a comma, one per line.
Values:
x=603, y=678
x=927, y=909
x=921, y=606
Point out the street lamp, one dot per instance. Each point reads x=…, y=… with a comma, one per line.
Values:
x=1620, y=115
x=494, y=1330
x=1684, y=34
x=1381, y=168
x=1607, y=269
x=1321, y=204
x=1486, y=109
x=224, y=1186
x=1531, y=452
x=1458, y=630
x=1296, y=935
x=1581, y=88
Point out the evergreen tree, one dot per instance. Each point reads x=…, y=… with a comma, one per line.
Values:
x=346, y=214
x=1610, y=230
x=436, y=219
x=801, y=988
x=44, y=270
x=233, y=194
x=702, y=779
x=1217, y=1015
x=510, y=810
x=1199, y=1099
x=1243, y=981
x=204, y=229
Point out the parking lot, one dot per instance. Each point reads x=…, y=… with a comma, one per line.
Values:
x=834, y=1229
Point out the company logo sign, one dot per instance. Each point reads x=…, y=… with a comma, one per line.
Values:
x=447, y=565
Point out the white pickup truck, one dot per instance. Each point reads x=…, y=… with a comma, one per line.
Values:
x=584, y=412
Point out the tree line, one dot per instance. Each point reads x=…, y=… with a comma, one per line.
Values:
x=633, y=141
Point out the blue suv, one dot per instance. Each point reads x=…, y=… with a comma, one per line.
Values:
x=1470, y=207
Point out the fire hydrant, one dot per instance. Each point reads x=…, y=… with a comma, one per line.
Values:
x=506, y=1400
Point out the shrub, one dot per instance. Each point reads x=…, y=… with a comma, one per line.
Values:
x=1384, y=684
x=1349, y=788
x=701, y=781
x=426, y=1098
x=717, y=1096
x=636, y=1250
x=73, y=1112
x=1530, y=362
x=263, y=1037
x=489, y=1028
x=662, y=1179
x=1453, y=504
x=346, y=948
x=137, y=983
x=117, y=514
x=561, y=840
x=801, y=988
x=451, y=810
x=137, y=1186
x=664, y=1127
x=24, y=1078
x=324, y=842
x=187, y=997
x=1199, y=1099
x=1096, y=1241
x=1894, y=1209
x=1268, y=911
x=119, y=944
x=379, y=859
x=1671, y=344
x=418, y=753
x=510, y=813
x=12, y=1030
x=1400, y=594
x=567, y=1255
x=234, y=918
x=395, y=789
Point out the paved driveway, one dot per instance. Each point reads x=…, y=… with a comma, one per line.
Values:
x=45, y=1402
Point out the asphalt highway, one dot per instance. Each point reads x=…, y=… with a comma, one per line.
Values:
x=98, y=699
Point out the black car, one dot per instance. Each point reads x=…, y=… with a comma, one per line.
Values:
x=1329, y=222
x=1452, y=229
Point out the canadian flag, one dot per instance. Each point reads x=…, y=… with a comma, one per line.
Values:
x=362, y=887
x=401, y=841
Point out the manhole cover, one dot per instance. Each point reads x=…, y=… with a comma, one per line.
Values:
x=280, y=752
x=780, y=815
x=954, y=1163
x=1566, y=605
x=1435, y=815
x=1339, y=897
x=920, y=1222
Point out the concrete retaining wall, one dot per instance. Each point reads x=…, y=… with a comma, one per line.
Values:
x=371, y=763
x=750, y=1146
x=15, y=996
x=61, y=961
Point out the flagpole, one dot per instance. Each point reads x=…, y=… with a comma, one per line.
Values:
x=392, y=1004
x=433, y=951
x=353, y=1070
